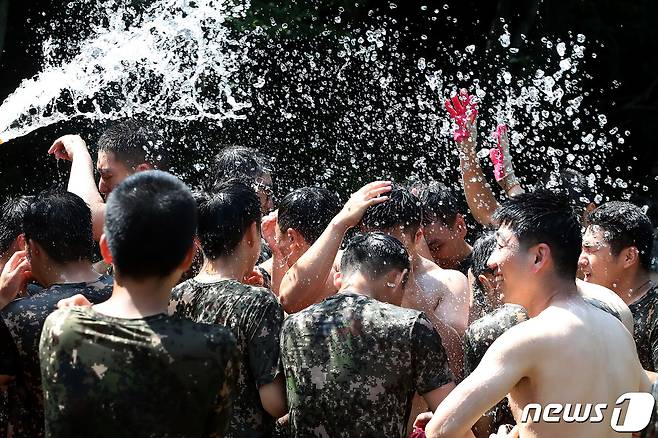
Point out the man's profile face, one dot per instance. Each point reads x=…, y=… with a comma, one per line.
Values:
x=441, y=241
x=597, y=263
x=111, y=171
x=507, y=262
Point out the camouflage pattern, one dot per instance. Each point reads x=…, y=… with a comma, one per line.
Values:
x=603, y=306
x=651, y=431
x=479, y=336
x=254, y=316
x=645, y=316
x=352, y=366
x=20, y=329
x=149, y=377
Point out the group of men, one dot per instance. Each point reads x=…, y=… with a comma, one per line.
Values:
x=311, y=318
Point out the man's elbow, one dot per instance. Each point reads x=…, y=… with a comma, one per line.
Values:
x=288, y=302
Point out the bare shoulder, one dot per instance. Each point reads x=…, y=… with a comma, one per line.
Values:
x=451, y=279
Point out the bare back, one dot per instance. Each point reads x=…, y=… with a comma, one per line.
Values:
x=582, y=355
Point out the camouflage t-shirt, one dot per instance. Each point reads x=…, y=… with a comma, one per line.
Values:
x=255, y=317
x=645, y=316
x=352, y=366
x=156, y=376
x=479, y=336
x=20, y=329
x=651, y=431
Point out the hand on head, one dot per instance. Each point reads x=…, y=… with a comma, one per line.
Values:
x=366, y=196
x=64, y=148
x=463, y=110
x=268, y=229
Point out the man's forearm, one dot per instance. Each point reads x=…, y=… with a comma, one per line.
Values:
x=81, y=180
x=479, y=195
x=303, y=284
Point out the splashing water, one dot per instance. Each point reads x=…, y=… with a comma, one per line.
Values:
x=327, y=107
x=175, y=62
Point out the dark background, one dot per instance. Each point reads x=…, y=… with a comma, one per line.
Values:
x=624, y=35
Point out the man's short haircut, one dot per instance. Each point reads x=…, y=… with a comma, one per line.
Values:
x=11, y=220
x=624, y=225
x=373, y=255
x=60, y=222
x=402, y=209
x=133, y=143
x=545, y=217
x=150, y=223
x=571, y=183
x=242, y=163
x=308, y=210
x=437, y=202
x=224, y=217
x=482, y=250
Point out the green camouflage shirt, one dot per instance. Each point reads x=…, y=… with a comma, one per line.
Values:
x=352, y=366
x=645, y=316
x=20, y=329
x=479, y=336
x=254, y=316
x=149, y=377
x=651, y=431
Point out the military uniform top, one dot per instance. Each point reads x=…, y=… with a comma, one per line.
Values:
x=352, y=365
x=156, y=376
x=651, y=431
x=479, y=336
x=645, y=317
x=20, y=329
x=254, y=316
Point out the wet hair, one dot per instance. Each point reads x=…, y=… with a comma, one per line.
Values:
x=374, y=254
x=150, y=223
x=573, y=184
x=482, y=250
x=401, y=210
x=224, y=217
x=624, y=225
x=133, y=143
x=60, y=222
x=437, y=202
x=545, y=217
x=242, y=163
x=308, y=210
x=11, y=220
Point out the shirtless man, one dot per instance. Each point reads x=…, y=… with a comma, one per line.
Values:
x=430, y=289
x=306, y=241
x=536, y=259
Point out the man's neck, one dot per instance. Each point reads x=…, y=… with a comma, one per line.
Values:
x=551, y=290
x=634, y=287
x=462, y=251
x=232, y=267
x=363, y=286
x=74, y=272
x=137, y=299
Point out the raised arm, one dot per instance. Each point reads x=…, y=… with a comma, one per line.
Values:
x=303, y=284
x=506, y=362
x=81, y=181
x=479, y=196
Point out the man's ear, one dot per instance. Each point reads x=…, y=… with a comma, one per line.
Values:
x=460, y=226
x=542, y=255
x=338, y=280
x=420, y=234
x=20, y=242
x=629, y=256
x=144, y=166
x=189, y=258
x=253, y=235
x=105, y=250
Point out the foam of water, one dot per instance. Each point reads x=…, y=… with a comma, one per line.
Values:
x=162, y=64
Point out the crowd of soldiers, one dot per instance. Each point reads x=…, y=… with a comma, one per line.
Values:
x=138, y=307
